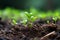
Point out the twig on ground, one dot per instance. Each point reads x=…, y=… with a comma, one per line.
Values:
x=46, y=36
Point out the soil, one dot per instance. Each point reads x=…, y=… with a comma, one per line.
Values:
x=40, y=30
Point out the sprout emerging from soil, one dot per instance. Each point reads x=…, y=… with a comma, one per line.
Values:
x=55, y=19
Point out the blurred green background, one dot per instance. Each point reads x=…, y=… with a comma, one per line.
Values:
x=27, y=4
x=29, y=10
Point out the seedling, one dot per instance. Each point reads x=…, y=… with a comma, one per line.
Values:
x=48, y=21
x=55, y=19
x=14, y=22
x=30, y=17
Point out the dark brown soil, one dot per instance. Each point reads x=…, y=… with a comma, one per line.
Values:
x=40, y=30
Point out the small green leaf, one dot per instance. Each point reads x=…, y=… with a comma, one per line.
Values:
x=47, y=21
x=14, y=22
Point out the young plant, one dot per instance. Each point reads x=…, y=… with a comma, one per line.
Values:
x=48, y=21
x=14, y=22
x=55, y=19
x=30, y=17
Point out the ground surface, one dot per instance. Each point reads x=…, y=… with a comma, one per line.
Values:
x=40, y=30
